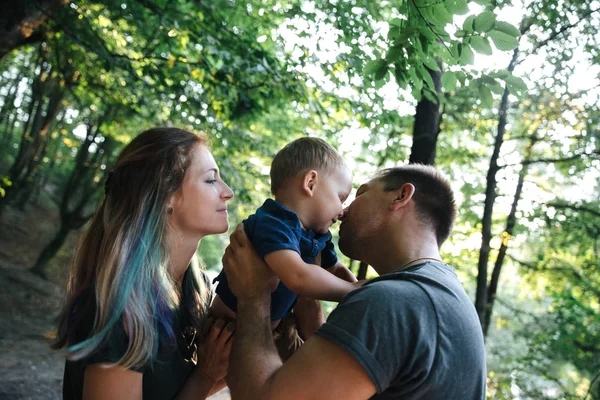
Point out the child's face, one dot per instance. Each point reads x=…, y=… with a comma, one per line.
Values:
x=328, y=199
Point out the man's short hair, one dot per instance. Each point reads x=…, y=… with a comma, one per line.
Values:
x=300, y=156
x=433, y=196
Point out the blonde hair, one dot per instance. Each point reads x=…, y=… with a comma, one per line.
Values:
x=301, y=156
x=120, y=271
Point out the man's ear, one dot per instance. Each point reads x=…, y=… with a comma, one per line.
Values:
x=403, y=196
x=309, y=182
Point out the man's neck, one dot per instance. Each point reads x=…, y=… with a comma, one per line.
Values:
x=403, y=251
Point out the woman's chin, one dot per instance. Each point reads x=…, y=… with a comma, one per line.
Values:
x=225, y=229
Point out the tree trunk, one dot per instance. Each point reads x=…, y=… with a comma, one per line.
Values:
x=79, y=190
x=510, y=226
x=39, y=268
x=427, y=126
x=20, y=21
x=34, y=144
x=490, y=198
x=351, y=266
x=362, y=271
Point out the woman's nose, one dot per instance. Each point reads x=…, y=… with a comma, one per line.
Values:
x=227, y=193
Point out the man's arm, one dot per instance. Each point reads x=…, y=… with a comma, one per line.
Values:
x=307, y=279
x=320, y=369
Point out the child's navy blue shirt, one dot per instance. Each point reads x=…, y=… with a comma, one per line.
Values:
x=274, y=227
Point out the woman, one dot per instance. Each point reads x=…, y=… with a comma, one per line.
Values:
x=137, y=300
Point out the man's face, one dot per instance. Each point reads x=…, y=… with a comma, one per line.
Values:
x=363, y=219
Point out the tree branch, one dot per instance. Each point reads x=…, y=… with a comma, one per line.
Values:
x=592, y=382
x=562, y=30
x=554, y=160
x=571, y=270
x=575, y=208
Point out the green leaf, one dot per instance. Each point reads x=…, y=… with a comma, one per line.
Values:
x=426, y=31
x=418, y=47
x=381, y=81
x=401, y=78
x=449, y=81
x=496, y=88
x=394, y=33
x=431, y=64
x=417, y=83
x=401, y=35
x=430, y=96
x=515, y=84
x=441, y=15
x=373, y=66
x=503, y=41
x=381, y=72
x=393, y=53
x=502, y=74
x=486, y=96
x=507, y=28
x=468, y=24
x=466, y=55
x=482, y=2
x=460, y=33
x=481, y=45
x=426, y=76
x=458, y=7
x=484, y=22
x=462, y=77
x=424, y=42
x=397, y=22
x=416, y=93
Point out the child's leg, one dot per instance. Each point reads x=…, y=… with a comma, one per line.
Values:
x=286, y=337
x=309, y=316
x=218, y=309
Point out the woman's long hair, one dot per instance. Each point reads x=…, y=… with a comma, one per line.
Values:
x=120, y=270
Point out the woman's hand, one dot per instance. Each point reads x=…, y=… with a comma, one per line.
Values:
x=213, y=352
x=213, y=360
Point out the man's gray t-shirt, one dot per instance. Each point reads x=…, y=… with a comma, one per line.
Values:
x=416, y=334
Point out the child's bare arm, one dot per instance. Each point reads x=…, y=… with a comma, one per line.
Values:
x=342, y=272
x=307, y=279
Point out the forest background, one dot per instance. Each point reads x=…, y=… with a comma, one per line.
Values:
x=501, y=96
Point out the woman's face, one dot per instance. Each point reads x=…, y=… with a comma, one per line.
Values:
x=200, y=205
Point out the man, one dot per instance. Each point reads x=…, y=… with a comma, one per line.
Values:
x=411, y=333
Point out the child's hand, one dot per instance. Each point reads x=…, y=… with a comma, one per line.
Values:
x=343, y=273
x=359, y=283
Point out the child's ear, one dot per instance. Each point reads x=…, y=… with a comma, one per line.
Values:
x=402, y=196
x=309, y=182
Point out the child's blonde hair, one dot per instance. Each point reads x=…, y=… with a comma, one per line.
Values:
x=300, y=156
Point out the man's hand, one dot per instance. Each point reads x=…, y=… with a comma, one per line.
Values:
x=247, y=273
